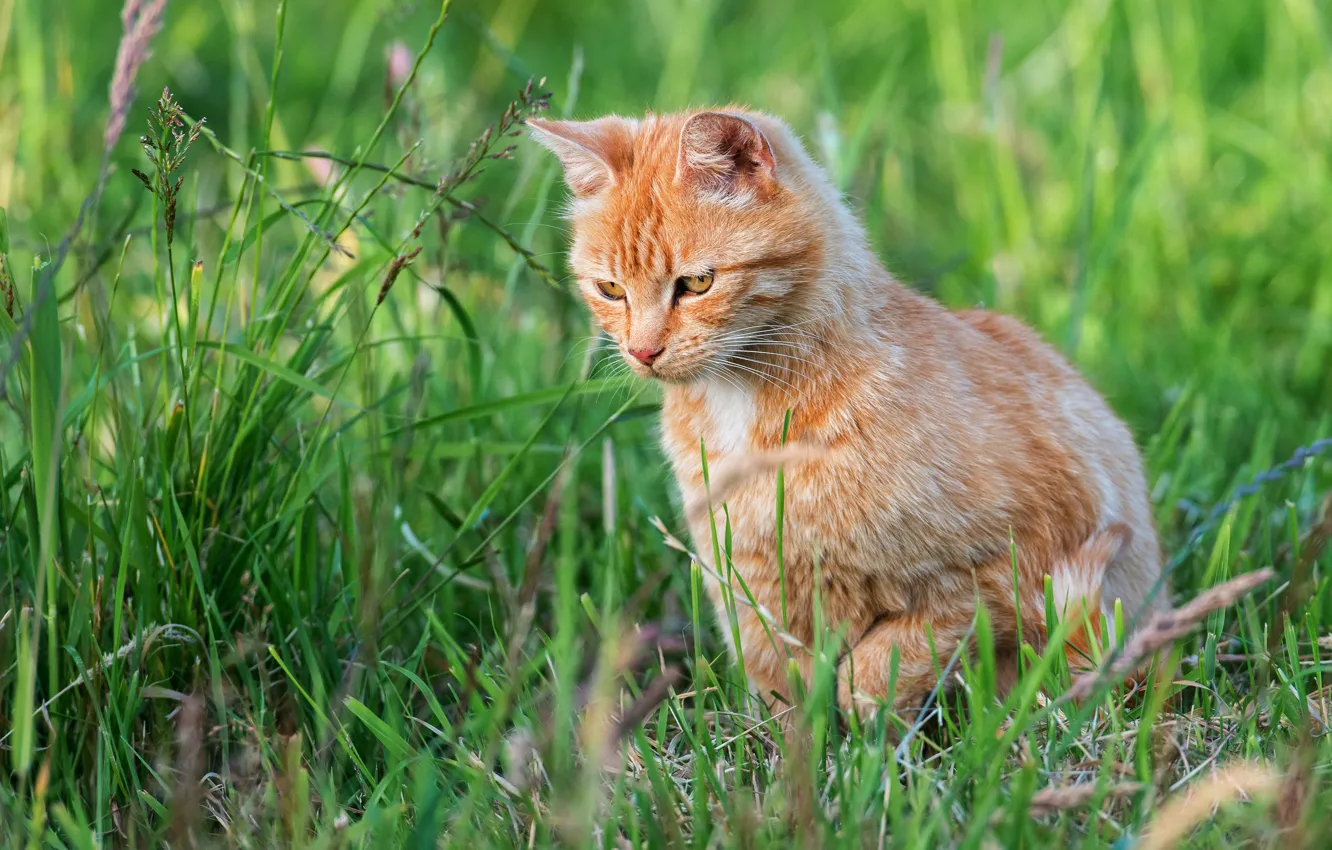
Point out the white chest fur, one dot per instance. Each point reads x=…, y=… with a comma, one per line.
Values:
x=730, y=411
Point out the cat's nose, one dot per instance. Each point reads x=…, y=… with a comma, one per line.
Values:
x=646, y=355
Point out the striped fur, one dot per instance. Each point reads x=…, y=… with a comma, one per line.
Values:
x=935, y=437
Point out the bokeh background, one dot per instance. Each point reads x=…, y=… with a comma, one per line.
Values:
x=1146, y=182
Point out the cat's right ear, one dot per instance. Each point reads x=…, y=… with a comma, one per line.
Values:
x=726, y=154
x=592, y=152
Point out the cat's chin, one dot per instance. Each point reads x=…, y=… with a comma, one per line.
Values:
x=676, y=380
x=668, y=374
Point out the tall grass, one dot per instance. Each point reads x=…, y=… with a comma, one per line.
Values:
x=324, y=521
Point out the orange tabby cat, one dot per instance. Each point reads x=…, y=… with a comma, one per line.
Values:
x=723, y=262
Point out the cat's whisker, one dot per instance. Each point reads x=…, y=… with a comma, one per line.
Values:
x=715, y=372
x=805, y=369
x=763, y=363
x=795, y=371
x=733, y=362
x=764, y=379
x=618, y=369
x=766, y=331
x=748, y=338
x=788, y=371
x=578, y=346
x=596, y=367
x=761, y=351
x=764, y=349
x=760, y=344
x=609, y=362
x=790, y=345
x=786, y=326
x=797, y=342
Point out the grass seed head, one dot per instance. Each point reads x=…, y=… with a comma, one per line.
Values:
x=167, y=143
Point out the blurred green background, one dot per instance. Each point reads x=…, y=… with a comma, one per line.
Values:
x=1144, y=181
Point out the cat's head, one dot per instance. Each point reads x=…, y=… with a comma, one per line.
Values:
x=692, y=234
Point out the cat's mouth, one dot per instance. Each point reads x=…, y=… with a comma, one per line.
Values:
x=651, y=371
x=666, y=369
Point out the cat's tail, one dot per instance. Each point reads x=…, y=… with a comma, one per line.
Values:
x=1076, y=583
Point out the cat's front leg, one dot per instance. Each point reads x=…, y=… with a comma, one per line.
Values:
x=924, y=644
x=769, y=658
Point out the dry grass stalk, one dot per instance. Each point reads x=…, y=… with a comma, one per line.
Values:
x=1166, y=628
x=1049, y=801
x=185, y=796
x=1177, y=818
x=151, y=634
x=140, y=20
x=1291, y=811
x=764, y=614
x=741, y=470
x=653, y=695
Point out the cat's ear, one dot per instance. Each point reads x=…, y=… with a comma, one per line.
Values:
x=592, y=152
x=724, y=153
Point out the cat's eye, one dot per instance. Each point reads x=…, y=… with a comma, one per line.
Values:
x=611, y=289
x=695, y=283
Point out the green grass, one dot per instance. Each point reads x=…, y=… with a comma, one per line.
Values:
x=329, y=543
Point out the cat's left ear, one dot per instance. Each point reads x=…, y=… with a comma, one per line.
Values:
x=593, y=153
x=726, y=154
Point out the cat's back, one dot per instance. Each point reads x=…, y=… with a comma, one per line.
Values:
x=1029, y=383
x=1011, y=353
x=1022, y=347
x=1057, y=395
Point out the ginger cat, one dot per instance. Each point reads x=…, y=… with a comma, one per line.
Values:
x=723, y=262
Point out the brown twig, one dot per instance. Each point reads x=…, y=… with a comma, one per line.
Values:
x=1164, y=629
x=656, y=691
x=1049, y=801
x=471, y=210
